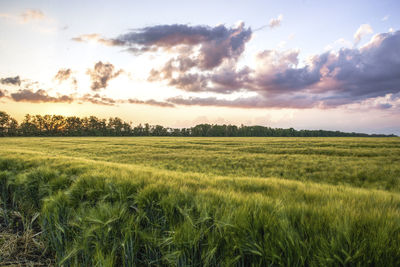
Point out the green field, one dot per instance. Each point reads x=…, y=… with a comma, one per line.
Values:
x=148, y=201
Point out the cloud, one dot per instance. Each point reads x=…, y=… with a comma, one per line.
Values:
x=95, y=37
x=194, y=50
x=373, y=70
x=191, y=82
x=385, y=18
x=205, y=59
x=363, y=30
x=230, y=79
x=102, y=100
x=3, y=93
x=31, y=95
x=328, y=80
x=338, y=44
x=388, y=102
x=150, y=102
x=246, y=102
x=277, y=72
x=207, y=47
x=181, y=34
x=32, y=14
x=349, y=76
x=335, y=78
x=98, y=100
x=26, y=16
x=275, y=22
x=101, y=74
x=11, y=81
x=64, y=75
x=225, y=79
x=39, y=96
x=193, y=70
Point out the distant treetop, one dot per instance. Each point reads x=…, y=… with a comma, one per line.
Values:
x=58, y=125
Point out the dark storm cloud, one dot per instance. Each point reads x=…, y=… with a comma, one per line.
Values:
x=11, y=80
x=39, y=96
x=101, y=74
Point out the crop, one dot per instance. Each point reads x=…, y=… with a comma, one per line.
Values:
x=166, y=201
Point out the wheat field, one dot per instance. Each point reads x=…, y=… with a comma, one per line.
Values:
x=165, y=201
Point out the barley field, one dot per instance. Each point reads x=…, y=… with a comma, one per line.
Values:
x=165, y=201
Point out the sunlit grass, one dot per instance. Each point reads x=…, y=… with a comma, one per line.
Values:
x=209, y=201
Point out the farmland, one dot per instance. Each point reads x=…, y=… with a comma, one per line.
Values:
x=174, y=201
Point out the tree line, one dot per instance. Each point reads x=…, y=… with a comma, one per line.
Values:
x=58, y=125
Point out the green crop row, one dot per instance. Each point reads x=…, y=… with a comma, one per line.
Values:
x=96, y=210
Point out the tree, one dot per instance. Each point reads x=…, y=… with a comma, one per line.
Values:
x=8, y=125
x=28, y=127
x=146, y=130
x=115, y=126
x=158, y=130
x=57, y=125
x=73, y=126
x=138, y=130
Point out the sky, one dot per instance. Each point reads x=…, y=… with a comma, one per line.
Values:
x=306, y=64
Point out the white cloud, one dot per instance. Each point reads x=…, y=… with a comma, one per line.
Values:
x=385, y=18
x=339, y=43
x=281, y=44
x=32, y=14
x=363, y=30
x=276, y=22
x=26, y=16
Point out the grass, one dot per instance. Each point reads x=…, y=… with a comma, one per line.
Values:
x=208, y=201
x=20, y=241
